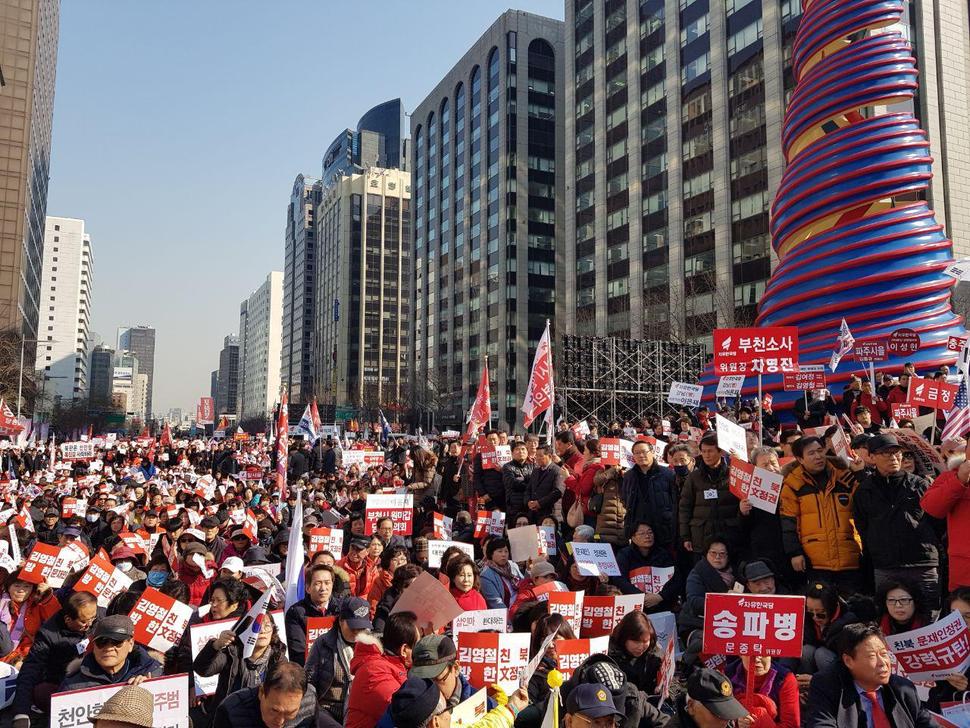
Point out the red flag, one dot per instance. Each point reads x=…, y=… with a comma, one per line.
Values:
x=481, y=413
x=166, y=438
x=282, y=439
x=540, y=392
x=315, y=416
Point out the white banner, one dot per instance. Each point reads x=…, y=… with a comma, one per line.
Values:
x=685, y=394
x=729, y=385
x=436, y=550
x=594, y=559
x=480, y=620
x=731, y=438
x=75, y=708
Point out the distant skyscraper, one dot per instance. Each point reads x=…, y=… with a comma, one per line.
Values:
x=124, y=384
x=260, y=318
x=101, y=376
x=28, y=60
x=141, y=341
x=227, y=381
x=363, y=295
x=66, y=289
x=487, y=211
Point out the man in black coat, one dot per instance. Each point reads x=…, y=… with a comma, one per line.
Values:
x=515, y=476
x=650, y=494
x=488, y=482
x=899, y=537
x=318, y=602
x=546, y=486
x=53, y=649
x=284, y=700
x=861, y=690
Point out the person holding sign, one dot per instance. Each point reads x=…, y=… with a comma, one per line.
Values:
x=861, y=688
x=489, y=487
x=23, y=609
x=642, y=553
x=501, y=575
x=775, y=700
x=114, y=659
x=223, y=656
x=318, y=586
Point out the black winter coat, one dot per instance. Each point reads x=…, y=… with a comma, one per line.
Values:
x=241, y=710
x=896, y=532
x=295, y=622
x=54, y=648
x=834, y=702
x=703, y=517
x=489, y=482
x=630, y=558
x=651, y=497
x=515, y=478
x=234, y=672
x=546, y=485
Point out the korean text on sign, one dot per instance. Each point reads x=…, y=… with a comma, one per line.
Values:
x=75, y=708
x=159, y=620
x=399, y=508
x=933, y=652
x=929, y=393
x=749, y=624
x=767, y=350
x=487, y=657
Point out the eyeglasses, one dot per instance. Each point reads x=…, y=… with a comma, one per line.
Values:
x=901, y=602
x=821, y=614
x=717, y=553
x=104, y=642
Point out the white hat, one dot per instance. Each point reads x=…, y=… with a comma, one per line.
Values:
x=233, y=563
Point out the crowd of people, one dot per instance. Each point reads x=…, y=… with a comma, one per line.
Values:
x=871, y=540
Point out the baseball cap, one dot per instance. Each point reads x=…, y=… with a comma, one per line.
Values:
x=881, y=443
x=714, y=692
x=415, y=702
x=431, y=655
x=592, y=700
x=122, y=552
x=233, y=563
x=359, y=543
x=72, y=531
x=239, y=532
x=116, y=627
x=755, y=570
x=542, y=568
x=209, y=522
x=355, y=613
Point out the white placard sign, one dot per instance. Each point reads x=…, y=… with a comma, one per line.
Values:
x=437, y=548
x=729, y=385
x=594, y=559
x=685, y=394
x=75, y=708
x=731, y=438
x=480, y=620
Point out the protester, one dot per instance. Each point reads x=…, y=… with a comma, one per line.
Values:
x=283, y=699
x=707, y=506
x=114, y=658
x=650, y=494
x=709, y=701
x=464, y=583
x=633, y=646
x=500, y=576
x=319, y=584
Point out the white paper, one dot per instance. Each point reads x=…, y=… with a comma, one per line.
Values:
x=481, y=620
x=524, y=542
x=595, y=559
x=436, y=550
x=685, y=394
x=78, y=706
x=729, y=385
x=731, y=438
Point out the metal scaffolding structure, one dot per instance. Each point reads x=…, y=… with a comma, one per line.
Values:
x=621, y=379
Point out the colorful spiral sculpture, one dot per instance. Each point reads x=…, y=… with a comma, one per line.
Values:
x=853, y=238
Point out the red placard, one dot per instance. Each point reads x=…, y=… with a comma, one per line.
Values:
x=569, y=605
x=253, y=472
x=804, y=379
x=739, y=478
x=40, y=563
x=651, y=579
x=399, y=508
x=325, y=538
x=751, y=624
x=766, y=350
x=103, y=579
x=316, y=626
x=160, y=620
x=135, y=542
x=73, y=507
x=902, y=342
x=956, y=343
x=571, y=654
x=205, y=411
x=929, y=393
x=871, y=350
x=601, y=614
x=904, y=411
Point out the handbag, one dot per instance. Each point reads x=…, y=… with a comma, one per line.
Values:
x=575, y=517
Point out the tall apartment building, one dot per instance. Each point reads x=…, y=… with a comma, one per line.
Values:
x=260, y=334
x=299, y=284
x=227, y=377
x=28, y=61
x=65, y=310
x=363, y=294
x=673, y=155
x=487, y=169
x=140, y=340
x=101, y=376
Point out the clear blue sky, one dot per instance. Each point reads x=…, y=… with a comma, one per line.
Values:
x=180, y=126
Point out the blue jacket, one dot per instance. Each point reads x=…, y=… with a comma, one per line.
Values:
x=493, y=590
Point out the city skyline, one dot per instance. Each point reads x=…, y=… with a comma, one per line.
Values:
x=177, y=145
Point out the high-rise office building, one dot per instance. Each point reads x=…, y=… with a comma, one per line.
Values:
x=380, y=140
x=140, y=340
x=227, y=377
x=363, y=292
x=260, y=324
x=299, y=284
x=28, y=61
x=125, y=387
x=673, y=154
x=65, y=310
x=101, y=377
x=487, y=188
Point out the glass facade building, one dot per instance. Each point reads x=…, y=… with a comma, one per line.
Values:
x=673, y=155
x=487, y=180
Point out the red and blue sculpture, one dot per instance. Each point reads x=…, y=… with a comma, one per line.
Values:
x=853, y=237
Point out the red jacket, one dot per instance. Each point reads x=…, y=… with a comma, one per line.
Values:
x=197, y=584
x=950, y=499
x=376, y=678
x=786, y=714
x=361, y=577
x=470, y=600
x=582, y=484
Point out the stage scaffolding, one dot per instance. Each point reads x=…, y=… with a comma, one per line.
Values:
x=621, y=379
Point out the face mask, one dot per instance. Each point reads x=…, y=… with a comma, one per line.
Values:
x=680, y=469
x=124, y=565
x=92, y=517
x=156, y=578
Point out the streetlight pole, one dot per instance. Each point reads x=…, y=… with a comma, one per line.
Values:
x=20, y=381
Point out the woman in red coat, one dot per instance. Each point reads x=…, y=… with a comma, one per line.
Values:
x=949, y=498
x=581, y=482
x=774, y=702
x=463, y=576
